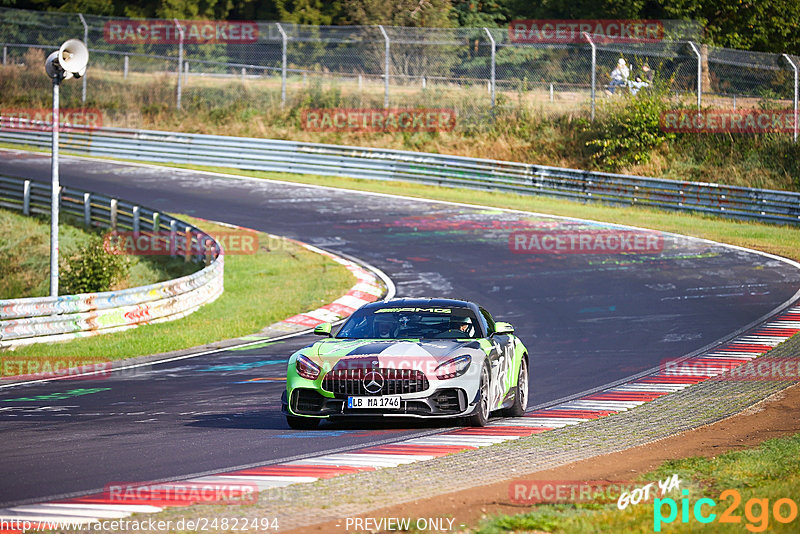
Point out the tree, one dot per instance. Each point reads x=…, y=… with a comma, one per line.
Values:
x=427, y=13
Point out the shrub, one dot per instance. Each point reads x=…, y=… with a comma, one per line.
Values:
x=627, y=130
x=91, y=269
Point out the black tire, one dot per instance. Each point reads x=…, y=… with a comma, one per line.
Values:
x=480, y=416
x=302, y=423
x=521, y=394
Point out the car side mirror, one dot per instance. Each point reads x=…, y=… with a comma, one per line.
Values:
x=503, y=328
x=323, y=329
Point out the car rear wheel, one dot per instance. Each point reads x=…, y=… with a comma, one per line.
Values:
x=302, y=423
x=521, y=396
x=481, y=415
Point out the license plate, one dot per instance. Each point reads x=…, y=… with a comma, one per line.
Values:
x=373, y=402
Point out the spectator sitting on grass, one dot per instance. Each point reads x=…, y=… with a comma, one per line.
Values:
x=619, y=76
x=637, y=84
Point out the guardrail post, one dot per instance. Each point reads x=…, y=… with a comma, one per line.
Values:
x=156, y=221
x=594, y=71
x=180, y=62
x=794, y=67
x=386, y=52
x=26, y=197
x=113, y=206
x=187, y=252
x=86, y=42
x=492, y=66
x=173, y=236
x=136, y=224
x=125, y=68
x=284, y=40
x=87, y=209
x=699, y=74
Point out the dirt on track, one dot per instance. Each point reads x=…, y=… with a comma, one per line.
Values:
x=775, y=416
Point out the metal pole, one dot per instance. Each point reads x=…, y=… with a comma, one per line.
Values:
x=594, y=70
x=125, y=68
x=284, y=40
x=385, y=68
x=492, y=72
x=5, y=55
x=794, y=67
x=55, y=196
x=699, y=74
x=86, y=42
x=180, y=61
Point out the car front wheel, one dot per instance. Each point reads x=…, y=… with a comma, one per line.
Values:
x=481, y=415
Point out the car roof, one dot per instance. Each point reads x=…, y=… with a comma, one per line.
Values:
x=423, y=302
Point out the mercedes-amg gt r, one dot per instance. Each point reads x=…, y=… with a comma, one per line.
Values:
x=409, y=358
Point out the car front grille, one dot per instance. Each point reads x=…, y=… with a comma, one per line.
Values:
x=395, y=381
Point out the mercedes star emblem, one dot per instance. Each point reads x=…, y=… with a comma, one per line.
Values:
x=373, y=382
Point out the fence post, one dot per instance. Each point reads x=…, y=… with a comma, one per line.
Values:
x=87, y=210
x=125, y=68
x=113, y=210
x=699, y=74
x=284, y=40
x=5, y=55
x=387, y=51
x=594, y=70
x=794, y=67
x=136, y=222
x=493, y=65
x=86, y=42
x=180, y=62
x=26, y=197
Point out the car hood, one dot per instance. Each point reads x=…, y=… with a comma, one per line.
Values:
x=392, y=354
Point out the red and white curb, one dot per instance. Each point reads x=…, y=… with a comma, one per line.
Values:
x=728, y=356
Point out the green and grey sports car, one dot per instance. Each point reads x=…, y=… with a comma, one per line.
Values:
x=409, y=358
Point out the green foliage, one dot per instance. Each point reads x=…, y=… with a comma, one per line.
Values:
x=627, y=130
x=91, y=269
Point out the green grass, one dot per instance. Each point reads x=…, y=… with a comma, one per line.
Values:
x=25, y=256
x=260, y=289
x=770, y=471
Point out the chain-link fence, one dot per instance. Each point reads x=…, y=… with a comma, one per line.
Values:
x=162, y=64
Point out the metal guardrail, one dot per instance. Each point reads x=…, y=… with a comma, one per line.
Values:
x=452, y=171
x=43, y=319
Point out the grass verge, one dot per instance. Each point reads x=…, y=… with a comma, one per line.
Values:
x=760, y=477
x=25, y=257
x=280, y=280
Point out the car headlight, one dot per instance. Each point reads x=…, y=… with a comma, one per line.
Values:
x=306, y=368
x=453, y=368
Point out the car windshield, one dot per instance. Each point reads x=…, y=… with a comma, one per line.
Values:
x=395, y=322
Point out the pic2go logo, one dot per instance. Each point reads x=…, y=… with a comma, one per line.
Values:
x=756, y=511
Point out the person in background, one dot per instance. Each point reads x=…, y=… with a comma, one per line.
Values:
x=647, y=74
x=619, y=76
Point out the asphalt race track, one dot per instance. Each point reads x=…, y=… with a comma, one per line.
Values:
x=587, y=319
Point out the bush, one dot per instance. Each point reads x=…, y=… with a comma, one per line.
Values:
x=91, y=269
x=627, y=130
